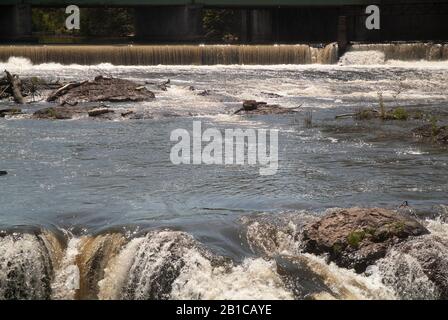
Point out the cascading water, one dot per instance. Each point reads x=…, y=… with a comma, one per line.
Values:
x=174, y=54
x=407, y=51
x=168, y=264
x=79, y=174
x=224, y=54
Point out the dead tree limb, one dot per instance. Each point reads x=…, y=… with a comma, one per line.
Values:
x=346, y=115
x=63, y=90
x=15, y=84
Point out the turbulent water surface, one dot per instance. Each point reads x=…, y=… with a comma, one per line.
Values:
x=95, y=209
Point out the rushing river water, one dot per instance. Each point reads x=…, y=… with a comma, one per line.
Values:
x=81, y=195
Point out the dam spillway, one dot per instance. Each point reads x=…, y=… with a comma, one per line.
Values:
x=174, y=55
x=219, y=54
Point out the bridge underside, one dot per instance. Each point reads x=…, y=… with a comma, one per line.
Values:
x=268, y=24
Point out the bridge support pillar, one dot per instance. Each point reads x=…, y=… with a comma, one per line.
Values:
x=15, y=22
x=169, y=24
x=257, y=25
x=342, y=35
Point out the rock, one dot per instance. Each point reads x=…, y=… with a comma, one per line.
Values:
x=432, y=132
x=99, y=111
x=204, y=93
x=418, y=268
x=356, y=238
x=252, y=107
x=3, y=173
x=102, y=89
x=249, y=105
x=60, y=113
x=10, y=111
x=127, y=113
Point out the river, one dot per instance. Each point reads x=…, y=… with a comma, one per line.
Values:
x=101, y=200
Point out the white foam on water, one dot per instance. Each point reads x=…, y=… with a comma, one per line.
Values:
x=67, y=277
x=25, y=267
x=437, y=226
x=362, y=58
x=254, y=279
x=135, y=273
x=347, y=284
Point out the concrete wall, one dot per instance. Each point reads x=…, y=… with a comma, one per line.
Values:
x=401, y=23
x=15, y=22
x=169, y=24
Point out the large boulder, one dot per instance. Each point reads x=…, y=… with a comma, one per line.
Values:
x=356, y=238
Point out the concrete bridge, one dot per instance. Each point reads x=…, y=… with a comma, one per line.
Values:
x=262, y=21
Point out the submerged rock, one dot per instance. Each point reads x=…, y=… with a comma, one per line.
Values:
x=60, y=113
x=356, y=238
x=252, y=107
x=99, y=111
x=432, y=132
x=9, y=111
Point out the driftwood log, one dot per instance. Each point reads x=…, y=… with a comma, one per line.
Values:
x=16, y=85
x=63, y=90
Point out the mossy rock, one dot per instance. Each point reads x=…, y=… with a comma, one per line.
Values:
x=355, y=238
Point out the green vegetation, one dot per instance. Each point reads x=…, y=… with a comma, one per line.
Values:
x=434, y=127
x=418, y=115
x=221, y=25
x=365, y=114
x=400, y=114
x=381, y=105
x=51, y=113
x=51, y=21
x=355, y=238
x=337, y=248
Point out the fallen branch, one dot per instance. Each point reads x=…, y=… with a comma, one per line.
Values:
x=346, y=115
x=63, y=90
x=15, y=84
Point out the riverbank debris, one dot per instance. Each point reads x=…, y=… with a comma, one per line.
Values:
x=101, y=89
x=24, y=90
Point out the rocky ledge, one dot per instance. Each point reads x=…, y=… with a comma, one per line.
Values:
x=101, y=89
x=356, y=238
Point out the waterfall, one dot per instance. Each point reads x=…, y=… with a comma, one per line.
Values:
x=407, y=51
x=174, y=54
x=168, y=264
